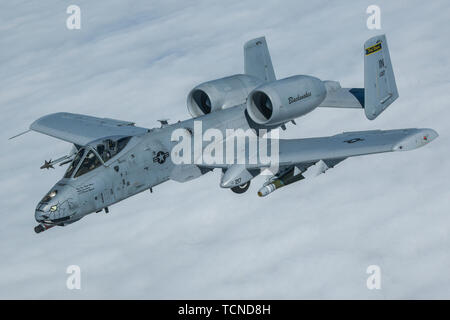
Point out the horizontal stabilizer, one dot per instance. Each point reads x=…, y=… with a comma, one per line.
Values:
x=338, y=97
x=380, y=89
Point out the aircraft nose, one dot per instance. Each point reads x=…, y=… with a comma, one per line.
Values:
x=57, y=206
x=40, y=214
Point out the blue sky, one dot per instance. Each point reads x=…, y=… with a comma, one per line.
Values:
x=137, y=61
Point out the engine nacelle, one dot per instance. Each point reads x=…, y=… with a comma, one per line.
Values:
x=219, y=94
x=283, y=100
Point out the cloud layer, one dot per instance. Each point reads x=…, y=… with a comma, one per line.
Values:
x=313, y=239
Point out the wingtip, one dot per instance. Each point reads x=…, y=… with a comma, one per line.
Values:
x=432, y=134
x=416, y=140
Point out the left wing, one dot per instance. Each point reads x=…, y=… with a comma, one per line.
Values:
x=81, y=129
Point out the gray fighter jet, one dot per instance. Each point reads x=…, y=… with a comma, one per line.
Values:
x=112, y=160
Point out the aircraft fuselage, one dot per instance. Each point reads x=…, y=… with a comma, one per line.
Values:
x=144, y=163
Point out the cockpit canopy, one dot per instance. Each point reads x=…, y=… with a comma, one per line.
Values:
x=108, y=148
x=94, y=155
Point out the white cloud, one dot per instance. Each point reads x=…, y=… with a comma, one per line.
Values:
x=313, y=239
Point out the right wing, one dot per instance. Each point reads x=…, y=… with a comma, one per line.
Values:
x=81, y=129
x=303, y=153
x=348, y=144
x=351, y=144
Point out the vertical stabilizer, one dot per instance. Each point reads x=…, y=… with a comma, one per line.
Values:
x=257, y=60
x=380, y=89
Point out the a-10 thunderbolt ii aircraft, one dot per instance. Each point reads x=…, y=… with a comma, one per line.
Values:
x=112, y=160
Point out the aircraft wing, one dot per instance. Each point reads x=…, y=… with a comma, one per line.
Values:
x=341, y=146
x=350, y=144
x=81, y=129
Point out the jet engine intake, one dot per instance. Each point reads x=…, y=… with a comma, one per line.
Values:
x=286, y=99
x=220, y=94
